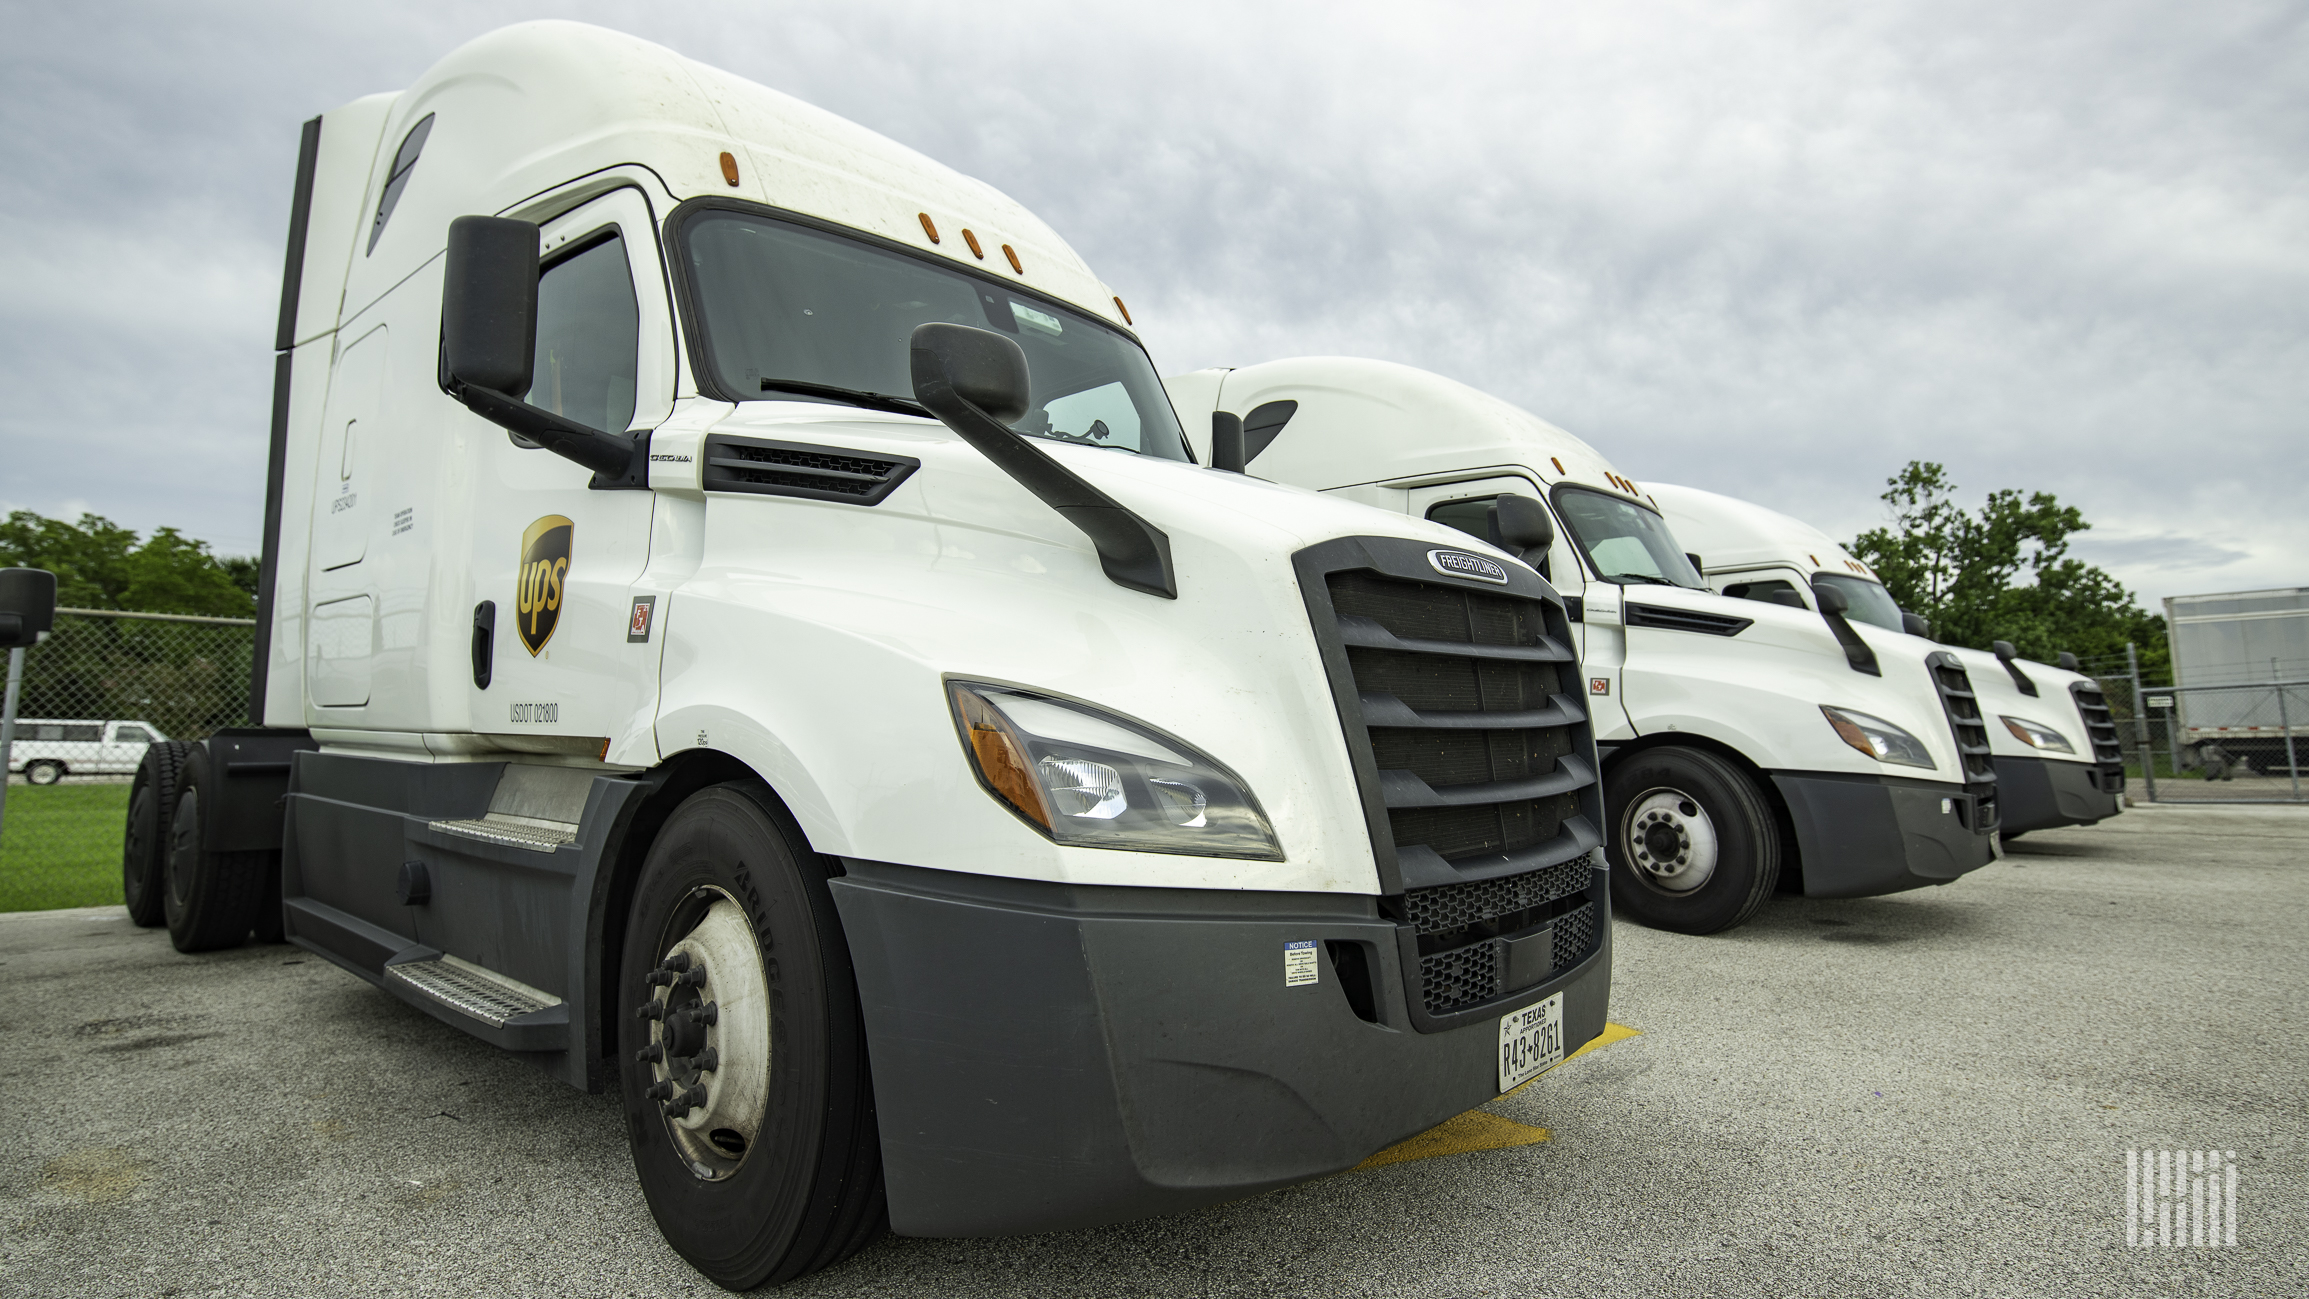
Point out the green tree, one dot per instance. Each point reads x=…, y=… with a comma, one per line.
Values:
x=101, y=565
x=2004, y=573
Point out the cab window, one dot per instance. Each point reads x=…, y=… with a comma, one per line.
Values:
x=588, y=337
x=1771, y=590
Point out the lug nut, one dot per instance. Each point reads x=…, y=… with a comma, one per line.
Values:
x=706, y=1061
x=692, y=977
x=651, y=1009
x=675, y=963
x=659, y=978
x=651, y=1054
x=660, y=1089
x=708, y=1014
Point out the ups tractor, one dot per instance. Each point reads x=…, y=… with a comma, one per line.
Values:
x=743, y=630
x=2058, y=760
x=1748, y=747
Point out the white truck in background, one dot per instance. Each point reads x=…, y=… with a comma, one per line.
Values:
x=1747, y=746
x=741, y=628
x=48, y=749
x=2230, y=653
x=2058, y=758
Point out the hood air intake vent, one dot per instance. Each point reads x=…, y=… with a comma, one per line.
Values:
x=815, y=473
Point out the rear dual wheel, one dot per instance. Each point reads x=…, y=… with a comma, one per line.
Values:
x=1695, y=846
x=748, y=1101
x=212, y=898
x=144, y=848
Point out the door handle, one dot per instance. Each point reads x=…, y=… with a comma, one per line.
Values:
x=484, y=642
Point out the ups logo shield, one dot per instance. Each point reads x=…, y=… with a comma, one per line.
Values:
x=544, y=573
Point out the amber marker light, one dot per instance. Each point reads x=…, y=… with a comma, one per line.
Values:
x=975, y=250
x=1557, y=463
x=1125, y=313
x=1012, y=254
x=730, y=168
x=928, y=228
x=1001, y=757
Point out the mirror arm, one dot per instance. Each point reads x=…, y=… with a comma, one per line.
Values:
x=616, y=461
x=1133, y=552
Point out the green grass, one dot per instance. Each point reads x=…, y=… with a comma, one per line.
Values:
x=60, y=846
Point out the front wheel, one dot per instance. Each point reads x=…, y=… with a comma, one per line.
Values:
x=748, y=1102
x=1695, y=847
x=43, y=772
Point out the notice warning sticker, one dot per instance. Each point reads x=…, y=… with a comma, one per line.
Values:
x=1299, y=963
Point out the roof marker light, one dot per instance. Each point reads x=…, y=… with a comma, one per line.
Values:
x=928, y=228
x=975, y=250
x=1557, y=463
x=1012, y=254
x=1125, y=313
x=730, y=168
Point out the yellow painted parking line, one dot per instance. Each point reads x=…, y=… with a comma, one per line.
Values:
x=1481, y=1129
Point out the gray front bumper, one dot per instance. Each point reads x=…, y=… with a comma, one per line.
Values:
x=1052, y=1056
x=2040, y=794
x=1859, y=836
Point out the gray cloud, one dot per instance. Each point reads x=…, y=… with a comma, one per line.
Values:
x=1771, y=249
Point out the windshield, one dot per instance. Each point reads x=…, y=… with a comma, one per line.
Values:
x=789, y=311
x=1870, y=602
x=1624, y=541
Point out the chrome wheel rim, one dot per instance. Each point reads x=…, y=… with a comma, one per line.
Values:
x=1669, y=840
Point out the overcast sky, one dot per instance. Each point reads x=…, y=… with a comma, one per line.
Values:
x=1770, y=249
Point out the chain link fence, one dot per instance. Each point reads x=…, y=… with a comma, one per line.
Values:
x=2237, y=743
x=100, y=689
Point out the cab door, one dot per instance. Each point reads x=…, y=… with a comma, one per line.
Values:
x=1601, y=641
x=562, y=658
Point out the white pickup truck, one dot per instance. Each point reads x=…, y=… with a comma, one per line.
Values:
x=742, y=629
x=2058, y=758
x=1747, y=746
x=48, y=749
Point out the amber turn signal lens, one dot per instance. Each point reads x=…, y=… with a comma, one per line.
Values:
x=1001, y=757
x=1012, y=254
x=730, y=168
x=928, y=228
x=1125, y=312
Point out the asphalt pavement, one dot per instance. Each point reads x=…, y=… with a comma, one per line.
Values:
x=1927, y=1094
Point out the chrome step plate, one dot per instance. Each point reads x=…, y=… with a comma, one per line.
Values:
x=468, y=989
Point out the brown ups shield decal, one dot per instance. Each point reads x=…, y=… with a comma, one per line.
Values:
x=544, y=572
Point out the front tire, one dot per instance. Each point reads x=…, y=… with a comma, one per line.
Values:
x=748, y=1101
x=144, y=848
x=43, y=773
x=211, y=898
x=1695, y=847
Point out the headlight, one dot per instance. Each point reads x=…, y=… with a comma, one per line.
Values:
x=2038, y=737
x=1877, y=738
x=1093, y=779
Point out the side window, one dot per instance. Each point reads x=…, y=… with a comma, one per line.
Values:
x=588, y=337
x=396, y=180
x=132, y=735
x=1770, y=591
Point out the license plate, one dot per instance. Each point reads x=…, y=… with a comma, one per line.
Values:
x=1530, y=1042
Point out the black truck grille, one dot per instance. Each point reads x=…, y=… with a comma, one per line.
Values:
x=1970, y=729
x=1472, y=745
x=2101, y=731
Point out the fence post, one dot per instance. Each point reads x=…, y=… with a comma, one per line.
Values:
x=8, y=727
x=2141, y=724
x=2285, y=724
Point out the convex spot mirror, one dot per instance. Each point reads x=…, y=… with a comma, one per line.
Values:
x=489, y=347
x=27, y=606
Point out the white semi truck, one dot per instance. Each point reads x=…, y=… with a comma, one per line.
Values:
x=1747, y=746
x=2058, y=758
x=743, y=630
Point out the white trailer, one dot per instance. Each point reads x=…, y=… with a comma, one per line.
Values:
x=1748, y=746
x=743, y=630
x=2058, y=758
x=2241, y=659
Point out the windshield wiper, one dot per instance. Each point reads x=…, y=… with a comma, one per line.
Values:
x=854, y=396
x=1637, y=577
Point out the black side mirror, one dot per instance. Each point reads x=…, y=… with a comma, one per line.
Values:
x=1833, y=606
x=27, y=606
x=1694, y=561
x=975, y=381
x=1227, y=450
x=1915, y=625
x=1524, y=524
x=489, y=344
x=2067, y=662
x=2005, y=654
